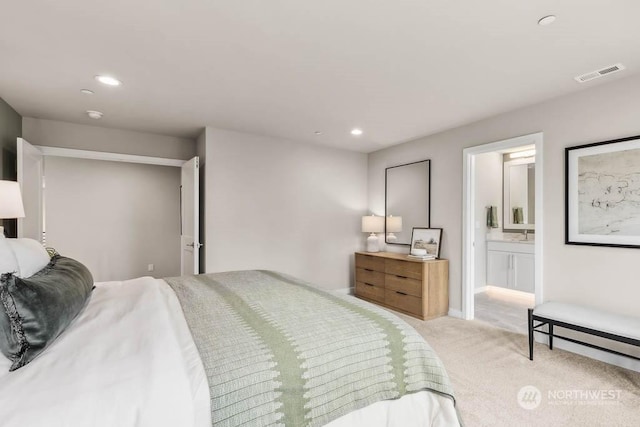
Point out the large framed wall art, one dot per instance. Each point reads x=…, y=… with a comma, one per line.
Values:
x=602, y=193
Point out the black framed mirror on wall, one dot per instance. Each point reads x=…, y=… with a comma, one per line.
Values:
x=407, y=197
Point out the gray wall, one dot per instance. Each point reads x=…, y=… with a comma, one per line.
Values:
x=10, y=130
x=116, y=218
x=281, y=205
x=595, y=276
x=82, y=137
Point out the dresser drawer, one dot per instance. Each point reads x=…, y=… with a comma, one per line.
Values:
x=403, y=302
x=403, y=268
x=371, y=277
x=368, y=262
x=371, y=292
x=403, y=284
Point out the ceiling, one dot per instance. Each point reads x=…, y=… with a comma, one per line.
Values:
x=397, y=69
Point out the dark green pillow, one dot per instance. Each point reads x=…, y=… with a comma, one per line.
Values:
x=34, y=311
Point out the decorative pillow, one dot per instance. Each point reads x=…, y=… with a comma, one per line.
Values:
x=31, y=255
x=8, y=261
x=51, y=252
x=34, y=311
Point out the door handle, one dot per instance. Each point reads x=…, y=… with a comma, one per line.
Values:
x=195, y=245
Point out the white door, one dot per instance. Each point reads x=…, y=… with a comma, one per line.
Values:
x=31, y=179
x=189, y=218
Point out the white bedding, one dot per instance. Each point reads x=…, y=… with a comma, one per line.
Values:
x=129, y=360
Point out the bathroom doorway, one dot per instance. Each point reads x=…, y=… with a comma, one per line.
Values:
x=502, y=224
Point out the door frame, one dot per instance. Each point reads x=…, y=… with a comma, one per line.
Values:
x=24, y=148
x=469, y=217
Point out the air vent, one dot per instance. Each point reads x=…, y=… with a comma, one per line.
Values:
x=599, y=73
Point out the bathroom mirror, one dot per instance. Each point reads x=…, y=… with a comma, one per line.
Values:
x=407, y=200
x=519, y=194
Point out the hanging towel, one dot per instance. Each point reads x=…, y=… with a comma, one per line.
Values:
x=518, y=216
x=492, y=217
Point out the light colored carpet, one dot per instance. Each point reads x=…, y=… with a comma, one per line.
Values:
x=504, y=311
x=489, y=366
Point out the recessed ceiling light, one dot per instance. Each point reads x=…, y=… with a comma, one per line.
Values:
x=94, y=114
x=87, y=91
x=547, y=20
x=108, y=80
x=356, y=132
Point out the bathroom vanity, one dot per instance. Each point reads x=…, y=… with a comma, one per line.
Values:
x=511, y=264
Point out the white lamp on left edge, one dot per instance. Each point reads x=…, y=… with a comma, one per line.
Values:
x=11, y=206
x=373, y=224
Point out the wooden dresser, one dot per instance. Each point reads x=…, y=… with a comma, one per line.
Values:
x=417, y=288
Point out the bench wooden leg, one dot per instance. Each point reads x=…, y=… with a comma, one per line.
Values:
x=530, y=334
x=550, y=336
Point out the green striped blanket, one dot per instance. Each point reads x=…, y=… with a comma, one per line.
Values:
x=280, y=352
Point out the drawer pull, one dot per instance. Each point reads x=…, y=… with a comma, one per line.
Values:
x=368, y=284
x=401, y=293
x=401, y=277
x=368, y=269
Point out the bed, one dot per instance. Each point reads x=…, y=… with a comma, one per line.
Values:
x=251, y=348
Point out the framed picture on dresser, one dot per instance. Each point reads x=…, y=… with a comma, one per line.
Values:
x=428, y=239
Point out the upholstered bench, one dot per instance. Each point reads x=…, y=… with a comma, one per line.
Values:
x=612, y=326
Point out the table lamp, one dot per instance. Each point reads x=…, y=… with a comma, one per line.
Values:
x=372, y=224
x=11, y=206
x=394, y=225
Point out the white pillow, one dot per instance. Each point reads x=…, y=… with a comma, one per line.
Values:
x=30, y=254
x=8, y=261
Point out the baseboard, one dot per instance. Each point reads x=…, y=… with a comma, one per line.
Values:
x=344, y=291
x=481, y=289
x=455, y=313
x=592, y=353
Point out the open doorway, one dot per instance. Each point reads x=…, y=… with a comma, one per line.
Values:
x=122, y=215
x=502, y=240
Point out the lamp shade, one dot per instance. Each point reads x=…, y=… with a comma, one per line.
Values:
x=394, y=224
x=372, y=224
x=10, y=200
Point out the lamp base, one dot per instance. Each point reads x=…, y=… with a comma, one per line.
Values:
x=1, y=232
x=373, y=244
x=391, y=238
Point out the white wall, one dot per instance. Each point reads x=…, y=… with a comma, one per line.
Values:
x=116, y=218
x=596, y=276
x=281, y=205
x=82, y=137
x=488, y=192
